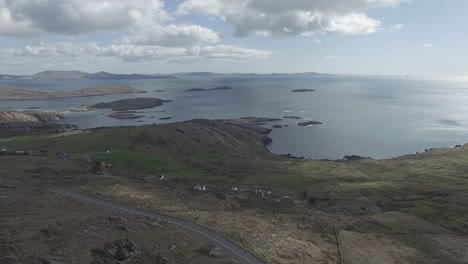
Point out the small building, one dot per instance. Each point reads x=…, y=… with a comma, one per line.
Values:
x=160, y=177
x=3, y=151
x=234, y=188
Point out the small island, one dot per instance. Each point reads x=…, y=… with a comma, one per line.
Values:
x=130, y=104
x=302, y=90
x=121, y=109
x=292, y=117
x=209, y=89
x=309, y=123
x=123, y=115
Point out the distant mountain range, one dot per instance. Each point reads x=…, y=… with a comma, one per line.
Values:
x=80, y=75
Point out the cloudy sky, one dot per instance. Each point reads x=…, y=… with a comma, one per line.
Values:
x=416, y=37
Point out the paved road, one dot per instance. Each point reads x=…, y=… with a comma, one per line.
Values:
x=230, y=247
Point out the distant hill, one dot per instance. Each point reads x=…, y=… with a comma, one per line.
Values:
x=112, y=76
x=58, y=75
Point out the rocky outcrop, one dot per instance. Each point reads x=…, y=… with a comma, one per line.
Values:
x=130, y=104
x=118, y=250
x=29, y=116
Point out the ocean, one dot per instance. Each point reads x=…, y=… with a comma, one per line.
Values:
x=371, y=116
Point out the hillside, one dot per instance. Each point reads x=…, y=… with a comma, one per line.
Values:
x=409, y=209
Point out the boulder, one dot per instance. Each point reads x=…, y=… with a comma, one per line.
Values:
x=118, y=249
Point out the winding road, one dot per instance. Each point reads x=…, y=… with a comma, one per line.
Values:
x=237, y=252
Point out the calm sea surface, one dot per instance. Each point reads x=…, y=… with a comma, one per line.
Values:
x=367, y=116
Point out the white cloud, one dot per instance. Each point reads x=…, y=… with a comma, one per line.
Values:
x=21, y=18
x=292, y=17
x=172, y=36
x=70, y=52
x=396, y=28
x=428, y=45
x=329, y=57
x=317, y=41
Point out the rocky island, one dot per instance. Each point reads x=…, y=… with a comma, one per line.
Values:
x=120, y=108
x=302, y=90
x=130, y=104
x=209, y=89
x=292, y=117
x=309, y=123
x=10, y=93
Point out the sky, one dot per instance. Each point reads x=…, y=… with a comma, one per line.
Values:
x=385, y=37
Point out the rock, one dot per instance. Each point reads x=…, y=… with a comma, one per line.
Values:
x=118, y=249
x=302, y=90
x=309, y=123
x=216, y=252
x=173, y=247
x=122, y=254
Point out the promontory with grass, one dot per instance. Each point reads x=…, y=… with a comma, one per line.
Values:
x=10, y=93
